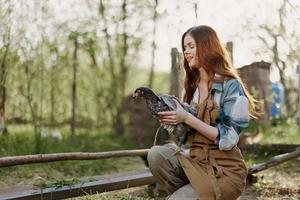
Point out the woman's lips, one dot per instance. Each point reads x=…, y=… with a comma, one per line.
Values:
x=188, y=58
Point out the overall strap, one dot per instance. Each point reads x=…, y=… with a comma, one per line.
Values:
x=222, y=99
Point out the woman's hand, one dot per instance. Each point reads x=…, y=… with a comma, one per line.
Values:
x=174, y=117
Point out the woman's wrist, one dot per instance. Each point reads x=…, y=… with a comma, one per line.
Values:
x=187, y=117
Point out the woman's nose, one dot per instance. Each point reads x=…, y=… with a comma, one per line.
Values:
x=186, y=53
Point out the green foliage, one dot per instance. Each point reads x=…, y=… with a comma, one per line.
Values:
x=38, y=68
x=161, y=83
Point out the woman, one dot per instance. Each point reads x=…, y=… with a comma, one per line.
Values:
x=214, y=167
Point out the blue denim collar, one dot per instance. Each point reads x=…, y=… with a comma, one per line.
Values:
x=217, y=86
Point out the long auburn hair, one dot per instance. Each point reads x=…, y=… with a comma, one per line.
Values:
x=214, y=59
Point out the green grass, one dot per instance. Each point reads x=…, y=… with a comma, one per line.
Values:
x=284, y=132
x=21, y=141
x=59, y=183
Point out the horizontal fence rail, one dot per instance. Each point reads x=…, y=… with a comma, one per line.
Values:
x=94, y=187
x=41, y=158
x=276, y=160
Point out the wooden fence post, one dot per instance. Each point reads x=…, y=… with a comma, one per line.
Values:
x=176, y=73
x=229, y=47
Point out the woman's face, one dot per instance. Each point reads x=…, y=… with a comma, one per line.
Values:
x=189, y=50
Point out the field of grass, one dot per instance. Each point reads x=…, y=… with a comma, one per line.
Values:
x=281, y=182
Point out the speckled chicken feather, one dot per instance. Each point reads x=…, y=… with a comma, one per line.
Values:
x=160, y=103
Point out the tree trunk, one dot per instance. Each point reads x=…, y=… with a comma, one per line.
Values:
x=123, y=64
x=107, y=38
x=3, y=76
x=33, y=109
x=151, y=75
x=74, y=87
x=112, y=102
x=281, y=66
x=298, y=72
x=41, y=107
x=53, y=88
x=52, y=94
x=98, y=90
x=118, y=124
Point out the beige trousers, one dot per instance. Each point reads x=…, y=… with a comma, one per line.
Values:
x=169, y=174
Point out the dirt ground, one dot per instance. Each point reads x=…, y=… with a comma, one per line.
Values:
x=278, y=183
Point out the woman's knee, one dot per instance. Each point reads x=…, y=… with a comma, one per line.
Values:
x=185, y=192
x=154, y=155
x=158, y=154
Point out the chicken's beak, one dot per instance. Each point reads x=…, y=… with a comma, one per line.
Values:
x=135, y=95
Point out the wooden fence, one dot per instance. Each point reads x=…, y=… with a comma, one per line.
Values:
x=115, y=182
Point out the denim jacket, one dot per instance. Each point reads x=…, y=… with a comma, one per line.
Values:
x=233, y=115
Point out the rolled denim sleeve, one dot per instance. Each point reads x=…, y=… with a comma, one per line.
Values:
x=234, y=117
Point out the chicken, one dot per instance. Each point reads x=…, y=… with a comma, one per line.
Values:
x=159, y=103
